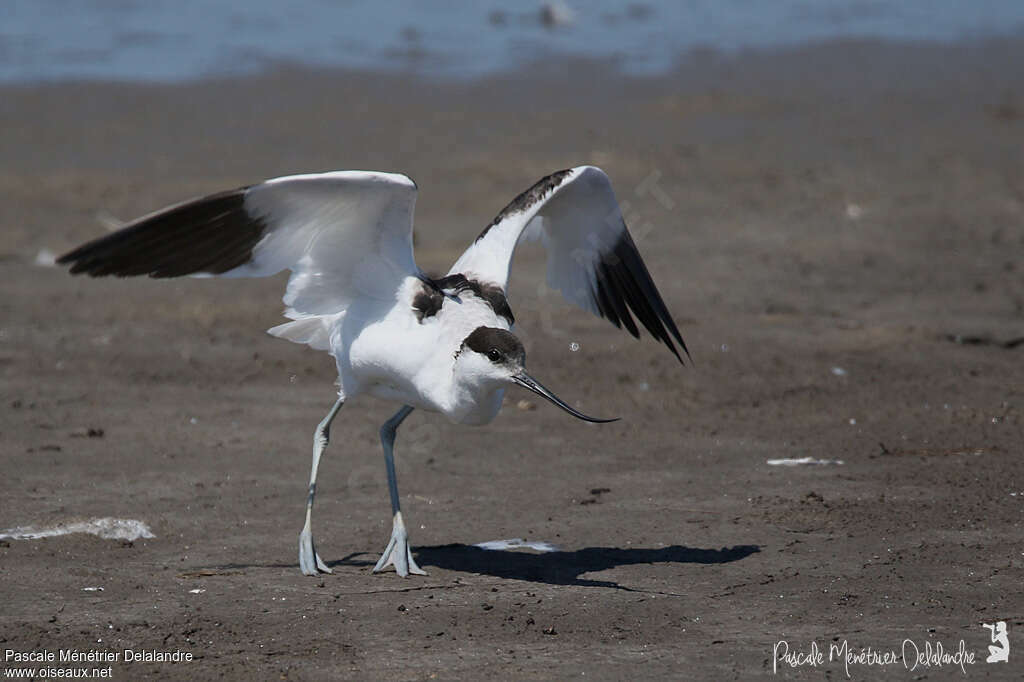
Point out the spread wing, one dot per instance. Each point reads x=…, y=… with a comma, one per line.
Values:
x=344, y=235
x=592, y=259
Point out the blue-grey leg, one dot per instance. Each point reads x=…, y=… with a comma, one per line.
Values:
x=397, y=553
x=309, y=560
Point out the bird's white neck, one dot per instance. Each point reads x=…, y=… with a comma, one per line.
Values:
x=474, y=404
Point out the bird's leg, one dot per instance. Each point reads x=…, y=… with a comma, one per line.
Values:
x=397, y=553
x=309, y=560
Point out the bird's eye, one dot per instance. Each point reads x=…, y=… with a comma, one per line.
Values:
x=494, y=355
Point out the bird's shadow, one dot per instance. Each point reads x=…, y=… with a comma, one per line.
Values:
x=560, y=567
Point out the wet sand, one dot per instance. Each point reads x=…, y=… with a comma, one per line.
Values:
x=838, y=230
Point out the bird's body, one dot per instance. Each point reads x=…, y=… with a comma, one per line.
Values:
x=438, y=344
x=396, y=356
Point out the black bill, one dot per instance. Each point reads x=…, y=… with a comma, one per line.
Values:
x=526, y=381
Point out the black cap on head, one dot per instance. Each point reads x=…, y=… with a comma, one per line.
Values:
x=502, y=348
x=498, y=345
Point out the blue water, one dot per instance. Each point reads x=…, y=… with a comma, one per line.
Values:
x=171, y=40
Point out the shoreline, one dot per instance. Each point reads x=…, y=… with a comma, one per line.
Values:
x=786, y=61
x=195, y=43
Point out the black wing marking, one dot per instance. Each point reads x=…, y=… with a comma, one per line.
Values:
x=524, y=200
x=430, y=298
x=212, y=235
x=623, y=284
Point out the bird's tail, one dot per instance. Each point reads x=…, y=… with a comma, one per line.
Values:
x=312, y=330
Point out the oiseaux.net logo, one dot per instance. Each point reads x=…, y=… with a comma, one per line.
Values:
x=913, y=655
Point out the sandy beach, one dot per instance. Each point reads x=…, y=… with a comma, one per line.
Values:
x=838, y=230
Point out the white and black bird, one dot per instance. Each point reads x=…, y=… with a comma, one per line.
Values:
x=442, y=345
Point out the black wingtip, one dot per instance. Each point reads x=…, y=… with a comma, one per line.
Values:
x=212, y=234
x=76, y=259
x=623, y=285
x=682, y=344
x=68, y=258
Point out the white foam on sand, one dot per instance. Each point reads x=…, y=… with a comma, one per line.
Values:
x=107, y=528
x=799, y=461
x=517, y=543
x=46, y=258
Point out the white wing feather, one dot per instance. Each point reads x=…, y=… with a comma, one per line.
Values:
x=592, y=259
x=344, y=235
x=585, y=217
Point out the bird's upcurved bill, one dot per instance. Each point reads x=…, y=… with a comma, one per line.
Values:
x=526, y=381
